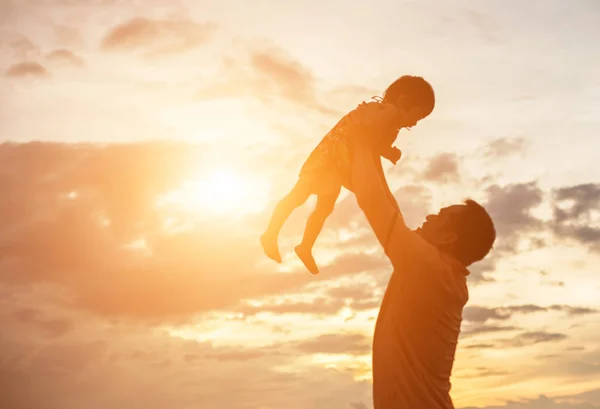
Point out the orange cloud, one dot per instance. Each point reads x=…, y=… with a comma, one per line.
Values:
x=271, y=76
x=27, y=69
x=157, y=37
x=65, y=56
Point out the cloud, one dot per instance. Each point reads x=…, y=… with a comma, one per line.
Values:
x=27, y=69
x=502, y=147
x=443, y=168
x=481, y=314
x=534, y=337
x=65, y=56
x=574, y=217
x=127, y=365
x=476, y=322
x=510, y=207
x=480, y=271
x=157, y=38
x=74, y=210
x=485, y=329
x=269, y=75
x=318, y=306
x=17, y=45
x=545, y=402
x=355, y=344
x=415, y=202
x=112, y=343
x=287, y=77
x=481, y=372
x=480, y=346
x=51, y=327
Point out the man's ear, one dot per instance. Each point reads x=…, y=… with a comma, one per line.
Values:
x=446, y=237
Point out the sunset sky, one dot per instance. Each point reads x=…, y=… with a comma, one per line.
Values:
x=146, y=142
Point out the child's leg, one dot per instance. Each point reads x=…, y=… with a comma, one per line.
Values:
x=295, y=198
x=325, y=205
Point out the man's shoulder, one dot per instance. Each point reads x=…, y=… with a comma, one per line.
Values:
x=425, y=261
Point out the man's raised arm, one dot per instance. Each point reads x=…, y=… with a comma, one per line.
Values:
x=377, y=202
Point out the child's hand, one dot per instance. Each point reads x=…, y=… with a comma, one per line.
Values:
x=396, y=154
x=392, y=154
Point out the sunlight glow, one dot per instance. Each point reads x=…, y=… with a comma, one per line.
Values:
x=221, y=191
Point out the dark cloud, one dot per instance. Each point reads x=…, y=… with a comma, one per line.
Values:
x=483, y=314
x=27, y=69
x=443, y=168
x=534, y=337
x=480, y=314
x=475, y=330
x=479, y=346
x=510, y=207
x=480, y=271
x=157, y=37
x=545, y=402
x=573, y=213
x=65, y=56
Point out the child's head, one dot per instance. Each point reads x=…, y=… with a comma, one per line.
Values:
x=411, y=93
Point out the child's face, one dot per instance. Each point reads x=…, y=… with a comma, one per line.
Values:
x=408, y=115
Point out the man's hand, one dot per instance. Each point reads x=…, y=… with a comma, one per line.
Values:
x=392, y=154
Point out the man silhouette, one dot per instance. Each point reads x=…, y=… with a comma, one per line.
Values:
x=418, y=325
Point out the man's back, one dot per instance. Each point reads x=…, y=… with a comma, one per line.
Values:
x=417, y=329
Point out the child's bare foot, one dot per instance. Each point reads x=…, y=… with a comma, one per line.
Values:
x=306, y=257
x=270, y=247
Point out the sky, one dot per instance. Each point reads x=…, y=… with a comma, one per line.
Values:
x=144, y=145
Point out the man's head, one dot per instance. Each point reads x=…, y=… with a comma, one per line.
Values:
x=413, y=96
x=465, y=231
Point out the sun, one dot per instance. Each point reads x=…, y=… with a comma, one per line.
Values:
x=226, y=191
x=220, y=191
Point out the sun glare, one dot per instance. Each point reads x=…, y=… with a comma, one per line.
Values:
x=221, y=191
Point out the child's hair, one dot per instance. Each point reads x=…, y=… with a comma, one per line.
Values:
x=418, y=91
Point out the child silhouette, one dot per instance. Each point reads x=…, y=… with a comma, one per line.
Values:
x=405, y=102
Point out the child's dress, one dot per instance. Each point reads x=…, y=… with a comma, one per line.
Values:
x=331, y=160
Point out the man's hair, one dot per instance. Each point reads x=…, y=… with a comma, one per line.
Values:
x=476, y=233
x=418, y=91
